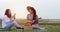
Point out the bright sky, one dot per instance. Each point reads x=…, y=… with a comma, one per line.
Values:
x=47, y=9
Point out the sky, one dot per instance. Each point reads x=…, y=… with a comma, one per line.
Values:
x=47, y=9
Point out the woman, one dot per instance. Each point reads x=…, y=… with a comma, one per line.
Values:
x=32, y=18
x=8, y=20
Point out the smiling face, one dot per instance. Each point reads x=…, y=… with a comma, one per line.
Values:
x=30, y=10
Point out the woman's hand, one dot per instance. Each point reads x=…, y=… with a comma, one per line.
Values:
x=28, y=24
x=14, y=16
x=33, y=21
x=11, y=19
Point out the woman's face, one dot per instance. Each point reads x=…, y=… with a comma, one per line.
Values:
x=31, y=11
x=9, y=12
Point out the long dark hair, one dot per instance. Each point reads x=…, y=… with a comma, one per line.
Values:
x=34, y=11
x=7, y=13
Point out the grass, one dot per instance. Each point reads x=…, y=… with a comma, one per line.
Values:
x=51, y=28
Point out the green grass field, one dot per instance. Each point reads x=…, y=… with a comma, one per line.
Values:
x=51, y=28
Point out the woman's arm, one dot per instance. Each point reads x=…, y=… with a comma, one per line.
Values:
x=28, y=22
x=13, y=16
x=36, y=20
x=10, y=20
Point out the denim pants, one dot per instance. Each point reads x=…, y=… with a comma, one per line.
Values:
x=14, y=23
x=35, y=26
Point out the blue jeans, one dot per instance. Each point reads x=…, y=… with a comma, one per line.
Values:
x=35, y=25
x=8, y=26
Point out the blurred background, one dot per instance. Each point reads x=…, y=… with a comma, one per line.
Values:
x=48, y=10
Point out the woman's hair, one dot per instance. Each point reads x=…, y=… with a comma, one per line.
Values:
x=34, y=11
x=7, y=13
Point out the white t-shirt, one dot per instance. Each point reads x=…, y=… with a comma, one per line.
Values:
x=5, y=20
